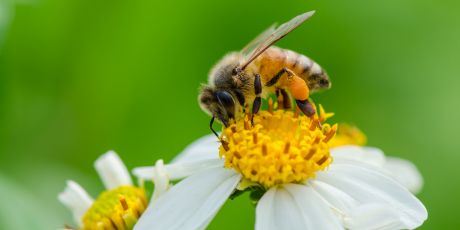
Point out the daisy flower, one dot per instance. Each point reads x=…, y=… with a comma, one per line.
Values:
x=296, y=180
x=119, y=206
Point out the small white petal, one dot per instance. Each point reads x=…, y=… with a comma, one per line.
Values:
x=206, y=147
x=191, y=203
x=367, y=155
x=294, y=207
x=265, y=211
x=112, y=171
x=405, y=173
x=160, y=179
x=179, y=170
x=368, y=186
x=76, y=199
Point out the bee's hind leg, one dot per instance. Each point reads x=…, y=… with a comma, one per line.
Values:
x=298, y=89
x=284, y=101
x=306, y=107
x=258, y=100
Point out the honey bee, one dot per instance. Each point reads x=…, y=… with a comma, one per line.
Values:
x=259, y=69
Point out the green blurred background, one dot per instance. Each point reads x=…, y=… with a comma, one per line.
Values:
x=80, y=77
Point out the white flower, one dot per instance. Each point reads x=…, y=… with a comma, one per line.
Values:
x=121, y=203
x=354, y=191
x=207, y=147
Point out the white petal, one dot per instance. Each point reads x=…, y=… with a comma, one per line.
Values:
x=374, y=216
x=405, y=173
x=355, y=215
x=286, y=213
x=340, y=202
x=370, y=187
x=400, y=170
x=160, y=179
x=294, y=207
x=191, y=203
x=265, y=211
x=179, y=170
x=76, y=199
x=112, y=171
x=206, y=147
x=315, y=211
x=368, y=155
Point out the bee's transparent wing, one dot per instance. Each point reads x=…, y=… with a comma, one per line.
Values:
x=257, y=40
x=264, y=40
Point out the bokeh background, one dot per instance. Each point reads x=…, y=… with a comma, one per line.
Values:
x=80, y=77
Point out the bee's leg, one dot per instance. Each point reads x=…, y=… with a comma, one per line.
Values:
x=286, y=102
x=306, y=107
x=277, y=76
x=257, y=101
x=298, y=89
x=240, y=98
x=279, y=98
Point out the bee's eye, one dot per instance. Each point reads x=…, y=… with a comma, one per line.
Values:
x=225, y=99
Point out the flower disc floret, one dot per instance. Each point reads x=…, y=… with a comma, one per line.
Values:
x=118, y=208
x=279, y=147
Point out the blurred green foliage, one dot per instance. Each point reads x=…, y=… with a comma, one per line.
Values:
x=80, y=77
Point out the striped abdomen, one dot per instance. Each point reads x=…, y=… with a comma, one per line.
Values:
x=270, y=62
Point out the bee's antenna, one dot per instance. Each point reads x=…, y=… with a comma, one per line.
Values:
x=224, y=143
x=210, y=126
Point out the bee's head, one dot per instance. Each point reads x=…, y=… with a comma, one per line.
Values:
x=218, y=103
x=319, y=81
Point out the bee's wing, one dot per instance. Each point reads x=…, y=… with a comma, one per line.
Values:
x=250, y=47
x=265, y=40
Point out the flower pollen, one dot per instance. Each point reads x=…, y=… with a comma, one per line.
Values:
x=281, y=147
x=119, y=209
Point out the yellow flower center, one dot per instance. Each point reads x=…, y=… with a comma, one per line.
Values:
x=117, y=209
x=281, y=147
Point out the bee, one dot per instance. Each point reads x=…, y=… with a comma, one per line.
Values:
x=258, y=70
